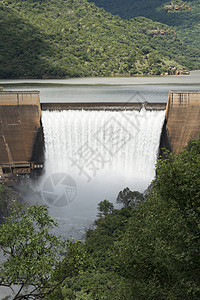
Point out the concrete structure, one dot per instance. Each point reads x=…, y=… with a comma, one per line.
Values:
x=182, y=119
x=21, y=135
x=20, y=132
x=103, y=106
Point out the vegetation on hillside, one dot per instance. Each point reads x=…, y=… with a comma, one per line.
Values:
x=72, y=38
x=149, y=249
x=177, y=6
x=184, y=16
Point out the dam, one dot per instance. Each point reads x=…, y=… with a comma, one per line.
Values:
x=21, y=133
x=95, y=150
x=92, y=150
x=182, y=118
x=22, y=115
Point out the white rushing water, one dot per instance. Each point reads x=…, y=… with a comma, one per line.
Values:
x=92, y=155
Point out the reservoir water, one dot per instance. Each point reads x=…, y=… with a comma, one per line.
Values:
x=118, y=89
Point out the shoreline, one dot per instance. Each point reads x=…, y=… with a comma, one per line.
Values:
x=104, y=81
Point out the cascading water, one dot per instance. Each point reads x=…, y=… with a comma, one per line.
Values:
x=92, y=155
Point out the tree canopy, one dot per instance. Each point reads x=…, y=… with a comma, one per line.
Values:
x=183, y=16
x=31, y=251
x=151, y=251
x=65, y=38
x=144, y=251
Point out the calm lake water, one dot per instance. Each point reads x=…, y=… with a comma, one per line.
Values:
x=118, y=89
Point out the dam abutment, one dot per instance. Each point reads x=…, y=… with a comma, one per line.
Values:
x=182, y=119
x=20, y=131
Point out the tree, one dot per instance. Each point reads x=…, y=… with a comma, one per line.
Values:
x=129, y=198
x=105, y=207
x=31, y=251
x=151, y=252
x=159, y=253
x=5, y=199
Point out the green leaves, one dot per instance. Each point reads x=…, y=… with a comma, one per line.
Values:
x=31, y=251
x=129, y=198
x=160, y=247
x=71, y=39
x=105, y=208
x=182, y=19
x=150, y=251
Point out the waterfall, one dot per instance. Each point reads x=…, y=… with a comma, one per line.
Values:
x=96, y=154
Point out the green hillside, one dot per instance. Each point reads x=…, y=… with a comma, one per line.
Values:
x=72, y=38
x=185, y=21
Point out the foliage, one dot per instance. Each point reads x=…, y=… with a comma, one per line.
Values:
x=65, y=38
x=159, y=252
x=109, y=229
x=96, y=277
x=185, y=20
x=177, y=6
x=5, y=199
x=105, y=207
x=96, y=284
x=73, y=266
x=129, y=198
x=31, y=251
x=151, y=252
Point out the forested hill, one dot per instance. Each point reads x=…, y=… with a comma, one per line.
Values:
x=71, y=38
x=183, y=15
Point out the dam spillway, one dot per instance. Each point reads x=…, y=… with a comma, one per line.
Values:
x=90, y=139
x=106, y=144
x=90, y=155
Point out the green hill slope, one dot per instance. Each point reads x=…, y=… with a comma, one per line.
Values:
x=71, y=38
x=186, y=22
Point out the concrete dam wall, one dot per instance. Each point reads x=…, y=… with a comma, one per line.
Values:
x=182, y=119
x=20, y=132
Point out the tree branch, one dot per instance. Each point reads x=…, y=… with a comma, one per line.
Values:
x=16, y=296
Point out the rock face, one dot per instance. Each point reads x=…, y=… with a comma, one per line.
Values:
x=182, y=118
x=20, y=125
